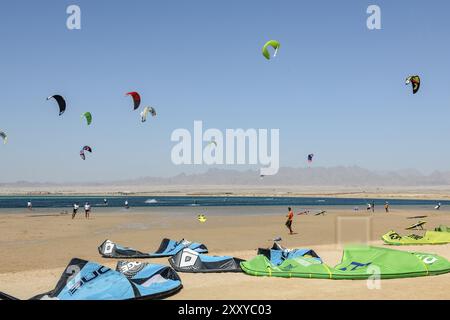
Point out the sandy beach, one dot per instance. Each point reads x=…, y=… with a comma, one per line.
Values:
x=35, y=248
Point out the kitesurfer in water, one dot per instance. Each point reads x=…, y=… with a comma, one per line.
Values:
x=386, y=207
x=29, y=205
x=127, y=206
x=87, y=210
x=289, y=221
x=75, y=210
x=105, y=202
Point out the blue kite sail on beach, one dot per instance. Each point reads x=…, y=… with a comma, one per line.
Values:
x=167, y=248
x=277, y=254
x=188, y=260
x=85, y=280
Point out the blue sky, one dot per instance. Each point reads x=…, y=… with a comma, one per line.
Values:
x=335, y=89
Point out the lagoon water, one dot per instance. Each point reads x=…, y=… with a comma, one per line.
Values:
x=20, y=202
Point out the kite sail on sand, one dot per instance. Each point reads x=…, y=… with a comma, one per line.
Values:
x=358, y=262
x=416, y=226
x=61, y=103
x=265, y=50
x=188, y=260
x=277, y=253
x=430, y=237
x=442, y=228
x=167, y=248
x=85, y=280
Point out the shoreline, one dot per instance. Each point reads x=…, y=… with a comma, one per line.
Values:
x=431, y=193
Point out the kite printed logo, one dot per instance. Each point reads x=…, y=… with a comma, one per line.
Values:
x=188, y=258
x=87, y=278
x=235, y=147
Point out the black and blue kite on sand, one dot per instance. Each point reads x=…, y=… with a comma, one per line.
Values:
x=188, y=260
x=277, y=254
x=84, y=280
x=168, y=248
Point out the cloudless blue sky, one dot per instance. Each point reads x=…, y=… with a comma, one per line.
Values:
x=335, y=89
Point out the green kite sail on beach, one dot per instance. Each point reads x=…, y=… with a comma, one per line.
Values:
x=442, y=228
x=430, y=237
x=358, y=262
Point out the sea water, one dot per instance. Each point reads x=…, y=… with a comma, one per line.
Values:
x=20, y=202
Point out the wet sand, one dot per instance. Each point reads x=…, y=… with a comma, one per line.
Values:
x=35, y=248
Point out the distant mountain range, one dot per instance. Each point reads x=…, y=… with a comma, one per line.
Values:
x=313, y=176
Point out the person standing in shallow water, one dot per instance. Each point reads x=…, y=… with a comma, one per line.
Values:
x=386, y=207
x=290, y=219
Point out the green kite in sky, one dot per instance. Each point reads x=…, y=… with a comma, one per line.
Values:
x=88, y=117
x=265, y=50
